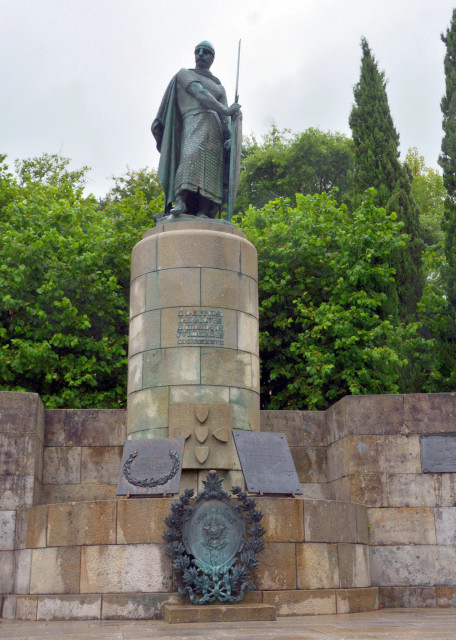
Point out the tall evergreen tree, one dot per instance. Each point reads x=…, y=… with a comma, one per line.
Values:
x=447, y=161
x=377, y=165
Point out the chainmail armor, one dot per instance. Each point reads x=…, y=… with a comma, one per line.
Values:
x=201, y=162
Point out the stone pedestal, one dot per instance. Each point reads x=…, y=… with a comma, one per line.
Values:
x=193, y=349
x=184, y=614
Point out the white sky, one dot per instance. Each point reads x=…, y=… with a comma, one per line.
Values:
x=84, y=78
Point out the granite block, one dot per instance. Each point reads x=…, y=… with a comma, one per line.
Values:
x=302, y=602
x=408, y=597
x=277, y=567
x=96, y=427
x=413, y=565
x=178, y=366
x=144, y=333
x=136, y=606
x=70, y=607
x=100, y=464
x=357, y=600
x=23, y=564
x=7, y=530
x=199, y=248
x=21, y=413
x=301, y=428
x=282, y=519
x=353, y=565
x=328, y=521
x=125, y=569
x=148, y=409
x=401, y=526
x=142, y=521
x=83, y=523
x=55, y=570
x=317, y=566
x=62, y=465
x=54, y=427
x=411, y=490
x=26, y=607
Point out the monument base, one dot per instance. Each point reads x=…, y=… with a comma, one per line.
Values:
x=218, y=613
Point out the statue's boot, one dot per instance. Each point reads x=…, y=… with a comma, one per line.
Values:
x=179, y=207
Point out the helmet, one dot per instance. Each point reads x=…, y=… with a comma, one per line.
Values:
x=206, y=45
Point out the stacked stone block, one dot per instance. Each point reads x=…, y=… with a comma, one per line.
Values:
x=106, y=559
x=21, y=470
x=305, y=432
x=374, y=458
x=66, y=544
x=182, y=274
x=82, y=454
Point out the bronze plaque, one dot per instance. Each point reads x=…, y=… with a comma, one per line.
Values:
x=151, y=467
x=266, y=462
x=214, y=534
x=438, y=453
x=202, y=327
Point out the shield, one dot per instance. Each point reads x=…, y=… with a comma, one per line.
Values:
x=201, y=433
x=235, y=163
x=201, y=454
x=201, y=413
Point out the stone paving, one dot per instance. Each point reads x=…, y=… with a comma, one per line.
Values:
x=391, y=624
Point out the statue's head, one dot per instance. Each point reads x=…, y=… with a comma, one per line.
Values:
x=204, y=55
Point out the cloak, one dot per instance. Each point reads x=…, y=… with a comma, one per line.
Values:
x=167, y=131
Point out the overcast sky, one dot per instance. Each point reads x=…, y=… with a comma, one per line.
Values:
x=84, y=78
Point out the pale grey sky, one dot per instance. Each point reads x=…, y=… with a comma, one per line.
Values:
x=84, y=78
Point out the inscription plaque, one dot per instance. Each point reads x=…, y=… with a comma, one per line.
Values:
x=438, y=453
x=200, y=327
x=151, y=467
x=266, y=462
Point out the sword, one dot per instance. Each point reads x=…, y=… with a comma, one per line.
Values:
x=236, y=93
x=230, y=203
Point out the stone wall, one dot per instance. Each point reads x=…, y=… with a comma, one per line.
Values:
x=21, y=470
x=106, y=559
x=82, y=454
x=59, y=468
x=374, y=458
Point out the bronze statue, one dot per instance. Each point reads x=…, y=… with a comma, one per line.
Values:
x=193, y=131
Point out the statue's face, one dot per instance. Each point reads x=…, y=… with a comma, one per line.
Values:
x=203, y=58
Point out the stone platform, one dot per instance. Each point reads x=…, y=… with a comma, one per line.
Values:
x=239, y=612
x=371, y=529
x=387, y=624
x=106, y=559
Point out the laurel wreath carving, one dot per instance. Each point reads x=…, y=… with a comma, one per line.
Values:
x=150, y=482
x=232, y=584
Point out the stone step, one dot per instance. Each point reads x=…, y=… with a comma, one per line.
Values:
x=236, y=612
x=149, y=606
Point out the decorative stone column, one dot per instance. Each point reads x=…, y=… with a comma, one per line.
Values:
x=193, y=350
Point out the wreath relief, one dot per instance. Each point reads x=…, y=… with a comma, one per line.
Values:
x=214, y=544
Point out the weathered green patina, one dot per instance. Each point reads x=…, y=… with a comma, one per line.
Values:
x=214, y=544
x=193, y=131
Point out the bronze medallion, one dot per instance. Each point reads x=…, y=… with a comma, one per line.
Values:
x=214, y=534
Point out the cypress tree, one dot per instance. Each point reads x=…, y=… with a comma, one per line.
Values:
x=447, y=161
x=377, y=165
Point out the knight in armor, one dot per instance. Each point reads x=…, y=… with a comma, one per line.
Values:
x=192, y=131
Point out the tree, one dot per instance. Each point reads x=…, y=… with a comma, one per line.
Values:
x=323, y=271
x=447, y=161
x=285, y=164
x=133, y=184
x=50, y=169
x=428, y=191
x=377, y=165
x=64, y=286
